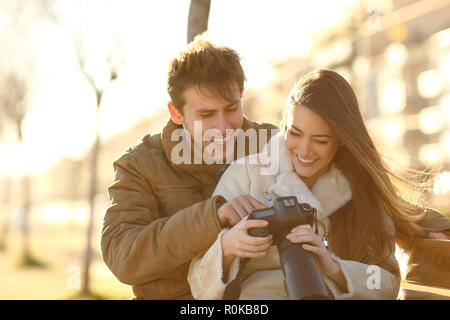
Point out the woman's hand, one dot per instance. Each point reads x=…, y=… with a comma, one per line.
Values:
x=313, y=243
x=236, y=241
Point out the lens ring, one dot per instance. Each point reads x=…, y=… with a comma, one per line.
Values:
x=306, y=206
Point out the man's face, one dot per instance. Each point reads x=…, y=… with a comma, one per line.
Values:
x=216, y=115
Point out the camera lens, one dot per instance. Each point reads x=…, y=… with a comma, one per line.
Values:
x=306, y=206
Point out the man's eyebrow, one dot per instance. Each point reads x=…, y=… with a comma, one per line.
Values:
x=205, y=110
x=314, y=135
x=232, y=103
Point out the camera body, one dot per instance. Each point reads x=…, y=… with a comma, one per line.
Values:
x=303, y=279
x=285, y=214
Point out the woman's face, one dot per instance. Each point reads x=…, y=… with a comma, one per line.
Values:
x=311, y=144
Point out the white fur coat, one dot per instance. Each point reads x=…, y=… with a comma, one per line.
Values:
x=331, y=191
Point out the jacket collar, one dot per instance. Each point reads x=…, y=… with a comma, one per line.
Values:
x=330, y=192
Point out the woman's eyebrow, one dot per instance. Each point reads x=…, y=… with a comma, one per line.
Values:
x=314, y=135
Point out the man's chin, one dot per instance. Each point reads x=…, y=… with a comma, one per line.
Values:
x=220, y=155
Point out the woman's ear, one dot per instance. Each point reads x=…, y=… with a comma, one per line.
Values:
x=175, y=114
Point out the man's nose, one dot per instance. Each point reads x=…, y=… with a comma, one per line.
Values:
x=223, y=124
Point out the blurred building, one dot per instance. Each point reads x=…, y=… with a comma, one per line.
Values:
x=396, y=56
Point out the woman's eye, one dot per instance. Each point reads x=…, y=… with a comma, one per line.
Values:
x=321, y=142
x=293, y=133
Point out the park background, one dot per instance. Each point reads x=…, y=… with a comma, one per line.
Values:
x=82, y=80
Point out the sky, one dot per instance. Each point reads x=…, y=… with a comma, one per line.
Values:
x=61, y=119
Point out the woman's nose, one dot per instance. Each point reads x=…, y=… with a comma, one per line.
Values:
x=304, y=149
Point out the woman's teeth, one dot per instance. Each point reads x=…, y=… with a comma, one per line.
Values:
x=305, y=160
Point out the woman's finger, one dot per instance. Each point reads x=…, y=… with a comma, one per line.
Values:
x=308, y=238
x=243, y=247
x=302, y=227
x=256, y=241
x=312, y=249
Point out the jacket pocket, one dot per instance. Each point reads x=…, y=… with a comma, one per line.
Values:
x=178, y=188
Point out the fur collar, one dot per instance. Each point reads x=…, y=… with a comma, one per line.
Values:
x=330, y=192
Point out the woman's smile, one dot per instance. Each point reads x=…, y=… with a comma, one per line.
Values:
x=305, y=162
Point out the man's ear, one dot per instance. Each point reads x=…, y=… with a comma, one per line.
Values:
x=175, y=114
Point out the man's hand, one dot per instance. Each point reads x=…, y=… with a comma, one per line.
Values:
x=234, y=210
x=438, y=235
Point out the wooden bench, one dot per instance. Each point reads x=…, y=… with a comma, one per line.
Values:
x=427, y=276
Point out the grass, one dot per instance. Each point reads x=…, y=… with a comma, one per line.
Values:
x=47, y=274
x=31, y=261
x=88, y=296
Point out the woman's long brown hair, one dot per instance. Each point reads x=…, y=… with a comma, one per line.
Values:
x=362, y=230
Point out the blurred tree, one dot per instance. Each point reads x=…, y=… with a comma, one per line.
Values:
x=15, y=106
x=99, y=93
x=5, y=198
x=5, y=207
x=16, y=88
x=198, y=18
x=111, y=59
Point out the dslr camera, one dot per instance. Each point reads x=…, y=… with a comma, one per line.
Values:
x=302, y=278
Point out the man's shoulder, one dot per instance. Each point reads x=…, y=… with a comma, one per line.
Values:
x=261, y=125
x=148, y=146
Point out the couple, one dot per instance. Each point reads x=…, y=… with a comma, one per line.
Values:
x=169, y=222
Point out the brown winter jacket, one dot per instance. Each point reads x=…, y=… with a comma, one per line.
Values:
x=161, y=216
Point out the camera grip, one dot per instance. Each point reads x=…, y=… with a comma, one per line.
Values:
x=258, y=232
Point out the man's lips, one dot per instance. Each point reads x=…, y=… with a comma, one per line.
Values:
x=222, y=141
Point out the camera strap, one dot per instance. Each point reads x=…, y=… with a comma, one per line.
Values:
x=233, y=289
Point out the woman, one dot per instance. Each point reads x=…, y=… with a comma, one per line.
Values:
x=328, y=160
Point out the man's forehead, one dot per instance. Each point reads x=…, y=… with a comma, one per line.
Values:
x=206, y=96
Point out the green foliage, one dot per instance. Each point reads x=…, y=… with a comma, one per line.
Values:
x=31, y=261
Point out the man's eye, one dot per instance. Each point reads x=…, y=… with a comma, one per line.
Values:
x=205, y=115
x=321, y=142
x=232, y=109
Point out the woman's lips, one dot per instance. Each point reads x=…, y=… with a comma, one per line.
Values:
x=305, y=162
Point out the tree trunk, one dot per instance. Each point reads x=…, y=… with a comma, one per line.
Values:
x=25, y=211
x=6, y=204
x=25, y=204
x=198, y=18
x=85, y=289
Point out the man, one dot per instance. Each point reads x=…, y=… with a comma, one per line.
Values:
x=162, y=214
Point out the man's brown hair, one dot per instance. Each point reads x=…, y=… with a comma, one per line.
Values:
x=216, y=69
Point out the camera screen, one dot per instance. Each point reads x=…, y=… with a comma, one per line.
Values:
x=263, y=213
